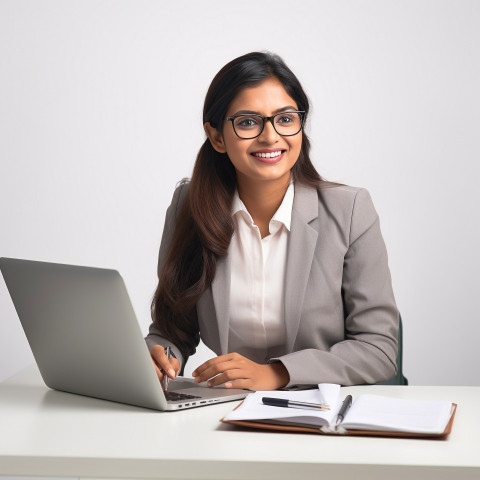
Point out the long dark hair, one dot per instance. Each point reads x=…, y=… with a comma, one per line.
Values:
x=204, y=225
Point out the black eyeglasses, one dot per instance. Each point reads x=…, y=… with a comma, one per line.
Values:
x=251, y=125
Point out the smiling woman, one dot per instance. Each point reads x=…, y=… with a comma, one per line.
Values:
x=282, y=274
x=262, y=152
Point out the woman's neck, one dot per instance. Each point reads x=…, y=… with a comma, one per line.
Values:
x=262, y=200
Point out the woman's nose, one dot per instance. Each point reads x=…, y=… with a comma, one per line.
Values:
x=269, y=134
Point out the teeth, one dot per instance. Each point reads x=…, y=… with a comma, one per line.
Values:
x=268, y=155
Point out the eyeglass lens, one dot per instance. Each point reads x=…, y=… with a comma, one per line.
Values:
x=250, y=126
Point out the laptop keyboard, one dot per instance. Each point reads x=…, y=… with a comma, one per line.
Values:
x=175, y=396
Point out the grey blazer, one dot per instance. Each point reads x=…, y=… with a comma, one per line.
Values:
x=340, y=315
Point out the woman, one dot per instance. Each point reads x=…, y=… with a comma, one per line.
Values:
x=282, y=274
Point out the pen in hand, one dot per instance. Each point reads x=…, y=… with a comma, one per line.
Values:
x=165, y=379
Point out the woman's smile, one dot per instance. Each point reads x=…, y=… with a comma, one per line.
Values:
x=268, y=155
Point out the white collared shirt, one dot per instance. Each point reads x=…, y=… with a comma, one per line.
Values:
x=257, y=323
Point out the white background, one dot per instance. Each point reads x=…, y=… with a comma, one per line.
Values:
x=100, y=116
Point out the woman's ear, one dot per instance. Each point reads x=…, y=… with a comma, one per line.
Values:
x=215, y=137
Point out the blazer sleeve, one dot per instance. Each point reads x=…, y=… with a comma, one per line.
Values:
x=369, y=349
x=154, y=336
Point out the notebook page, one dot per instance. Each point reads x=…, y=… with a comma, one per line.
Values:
x=373, y=412
x=253, y=408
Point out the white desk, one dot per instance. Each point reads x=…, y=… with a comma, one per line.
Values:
x=46, y=433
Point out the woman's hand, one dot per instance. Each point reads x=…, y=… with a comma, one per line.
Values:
x=162, y=364
x=236, y=371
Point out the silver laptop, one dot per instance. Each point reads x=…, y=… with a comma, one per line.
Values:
x=85, y=338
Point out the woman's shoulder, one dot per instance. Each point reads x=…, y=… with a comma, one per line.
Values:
x=178, y=198
x=351, y=207
x=181, y=190
x=341, y=204
x=340, y=191
x=182, y=186
x=344, y=196
x=336, y=195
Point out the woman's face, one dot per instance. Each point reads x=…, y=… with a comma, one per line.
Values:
x=268, y=98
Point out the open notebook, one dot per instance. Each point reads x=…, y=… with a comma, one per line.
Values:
x=368, y=415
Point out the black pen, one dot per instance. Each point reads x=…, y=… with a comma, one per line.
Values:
x=347, y=403
x=283, y=402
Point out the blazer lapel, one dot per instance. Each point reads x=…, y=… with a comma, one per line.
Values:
x=300, y=251
x=221, y=299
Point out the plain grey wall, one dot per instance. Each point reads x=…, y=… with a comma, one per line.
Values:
x=100, y=116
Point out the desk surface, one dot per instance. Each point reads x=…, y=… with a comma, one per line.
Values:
x=47, y=433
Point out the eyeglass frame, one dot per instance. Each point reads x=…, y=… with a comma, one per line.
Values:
x=270, y=119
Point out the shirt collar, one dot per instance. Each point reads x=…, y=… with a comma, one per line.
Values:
x=284, y=212
x=282, y=215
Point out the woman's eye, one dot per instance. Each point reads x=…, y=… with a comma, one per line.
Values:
x=247, y=122
x=284, y=119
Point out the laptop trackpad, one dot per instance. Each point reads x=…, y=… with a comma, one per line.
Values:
x=189, y=387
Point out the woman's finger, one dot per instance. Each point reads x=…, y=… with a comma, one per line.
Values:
x=212, y=362
x=240, y=383
x=228, y=376
x=160, y=358
x=175, y=364
x=157, y=370
x=214, y=369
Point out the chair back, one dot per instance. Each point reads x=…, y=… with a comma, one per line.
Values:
x=399, y=378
